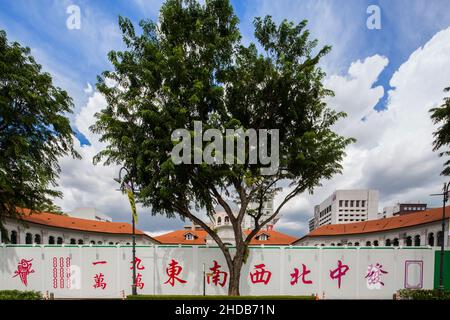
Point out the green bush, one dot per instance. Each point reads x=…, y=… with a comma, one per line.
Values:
x=410, y=294
x=20, y=295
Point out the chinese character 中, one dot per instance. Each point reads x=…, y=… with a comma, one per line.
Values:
x=339, y=272
x=297, y=274
x=173, y=271
x=260, y=275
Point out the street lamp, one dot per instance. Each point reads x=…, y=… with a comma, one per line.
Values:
x=122, y=182
x=441, y=265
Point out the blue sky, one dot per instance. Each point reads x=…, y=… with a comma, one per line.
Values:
x=76, y=57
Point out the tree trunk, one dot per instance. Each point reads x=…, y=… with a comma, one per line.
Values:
x=235, y=273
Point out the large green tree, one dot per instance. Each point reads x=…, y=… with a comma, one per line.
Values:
x=441, y=116
x=191, y=67
x=34, y=132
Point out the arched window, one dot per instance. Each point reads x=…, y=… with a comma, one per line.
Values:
x=356, y=244
x=28, y=238
x=431, y=239
x=99, y=242
x=375, y=243
x=368, y=243
x=51, y=240
x=37, y=238
x=92, y=242
x=408, y=241
x=349, y=244
x=439, y=238
x=417, y=240
x=219, y=221
x=59, y=241
x=128, y=243
x=332, y=244
x=111, y=243
x=226, y=220
x=14, y=237
x=73, y=241
x=395, y=243
x=387, y=243
x=322, y=244
x=339, y=244
x=80, y=241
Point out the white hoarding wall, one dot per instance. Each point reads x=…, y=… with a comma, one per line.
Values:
x=106, y=271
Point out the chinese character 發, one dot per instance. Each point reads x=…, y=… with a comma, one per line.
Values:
x=373, y=276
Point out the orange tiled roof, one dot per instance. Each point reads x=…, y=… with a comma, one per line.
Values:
x=177, y=237
x=61, y=221
x=406, y=220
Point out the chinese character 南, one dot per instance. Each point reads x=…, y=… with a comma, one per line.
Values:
x=23, y=270
x=297, y=274
x=218, y=277
x=261, y=275
x=173, y=271
x=373, y=276
x=339, y=272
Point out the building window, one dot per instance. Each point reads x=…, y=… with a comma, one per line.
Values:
x=93, y=242
x=340, y=203
x=346, y=203
x=219, y=221
x=408, y=241
x=263, y=237
x=357, y=203
x=349, y=244
x=111, y=243
x=73, y=241
x=368, y=243
x=439, y=238
x=332, y=244
x=431, y=239
x=189, y=236
x=226, y=220
x=387, y=243
x=395, y=243
x=417, y=240
x=59, y=241
x=99, y=242
x=375, y=243
x=37, y=238
x=51, y=240
x=356, y=244
x=14, y=237
x=28, y=238
x=352, y=203
x=363, y=203
x=80, y=241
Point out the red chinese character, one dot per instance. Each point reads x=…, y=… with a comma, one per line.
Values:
x=218, y=277
x=339, y=272
x=139, y=284
x=99, y=262
x=23, y=270
x=173, y=271
x=260, y=275
x=99, y=281
x=296, y=275
x=137, y=261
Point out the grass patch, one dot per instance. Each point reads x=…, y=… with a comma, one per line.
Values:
x=200, y=297
x=20, y=295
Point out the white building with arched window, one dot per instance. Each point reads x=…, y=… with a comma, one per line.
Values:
x=421, y=228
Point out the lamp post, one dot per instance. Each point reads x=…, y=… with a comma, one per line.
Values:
x=444, y=195
x=122, y=182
